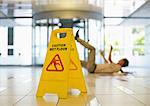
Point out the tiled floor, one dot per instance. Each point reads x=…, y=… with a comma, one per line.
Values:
x=18, y=87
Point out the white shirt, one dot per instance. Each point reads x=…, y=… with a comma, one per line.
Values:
x=108, y=68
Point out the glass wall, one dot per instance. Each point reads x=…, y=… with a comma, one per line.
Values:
x=127, y=30
x=40, y=41
x=96, y=37
x=43, y=28
x=29, y=45
x=127, y=41
x=89, y=31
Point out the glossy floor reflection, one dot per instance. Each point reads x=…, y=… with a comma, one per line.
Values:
x=18, y=87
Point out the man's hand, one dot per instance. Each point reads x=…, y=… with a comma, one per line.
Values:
x=102, y=52
x=110, y=52
x=111, y=47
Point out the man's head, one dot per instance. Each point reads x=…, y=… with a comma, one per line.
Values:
x=123, y=62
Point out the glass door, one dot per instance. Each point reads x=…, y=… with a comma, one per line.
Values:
x=41, y=36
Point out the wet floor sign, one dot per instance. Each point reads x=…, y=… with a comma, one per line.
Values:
x=62, y=69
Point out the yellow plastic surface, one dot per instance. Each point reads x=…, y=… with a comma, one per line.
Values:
x=76, y=79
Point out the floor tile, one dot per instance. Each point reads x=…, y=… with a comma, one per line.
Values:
x=18, y=86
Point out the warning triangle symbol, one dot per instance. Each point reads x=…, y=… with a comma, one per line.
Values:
x=73, y=66
x=55, y=64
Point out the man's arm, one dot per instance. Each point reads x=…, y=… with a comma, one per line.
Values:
x=125, y=73
x=110, y=53
x=102, y=54
x=121, y=71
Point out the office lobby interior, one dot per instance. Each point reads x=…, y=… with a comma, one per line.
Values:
x=25, y=33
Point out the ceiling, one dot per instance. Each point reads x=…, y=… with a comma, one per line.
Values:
x=127, y=12
x=114, y=10
x=140, y=17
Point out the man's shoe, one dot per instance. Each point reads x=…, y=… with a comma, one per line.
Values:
x=77, y=35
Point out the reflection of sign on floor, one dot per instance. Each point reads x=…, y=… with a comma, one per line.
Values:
x=55, y=64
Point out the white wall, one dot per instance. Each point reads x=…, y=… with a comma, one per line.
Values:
x=22, y=45
x=147, y=40
x=140, y=61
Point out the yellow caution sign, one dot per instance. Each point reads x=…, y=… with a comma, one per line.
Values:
x=76, y=79
x=61, y=71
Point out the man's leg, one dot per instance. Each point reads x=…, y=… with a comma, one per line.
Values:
x=90, y=64
x=83, y=63
x=85, y=44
